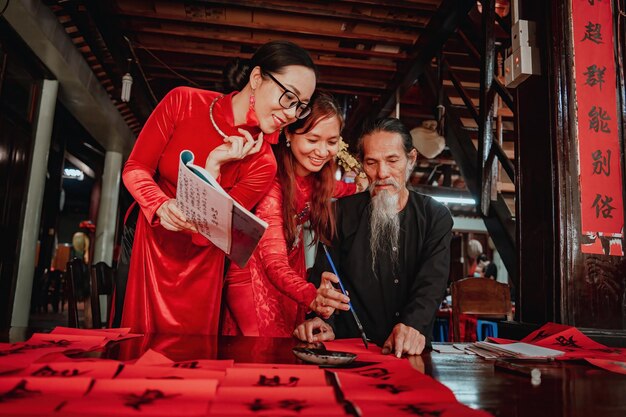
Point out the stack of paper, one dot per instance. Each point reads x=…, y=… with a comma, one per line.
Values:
x=518, y=350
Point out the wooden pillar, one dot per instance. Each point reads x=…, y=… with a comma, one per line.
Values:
x=557, y=281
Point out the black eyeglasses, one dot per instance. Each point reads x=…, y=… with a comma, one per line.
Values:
x=289, y=100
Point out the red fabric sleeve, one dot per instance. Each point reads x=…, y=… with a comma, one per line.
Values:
x=257, y=176
x=343, y=189
x=138, y=174
x=272, y=251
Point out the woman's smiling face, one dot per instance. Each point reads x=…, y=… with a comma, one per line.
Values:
x=299, y=80
x=316, y=147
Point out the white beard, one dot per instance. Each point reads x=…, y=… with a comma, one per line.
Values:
x=385, y=218
x=384, y=225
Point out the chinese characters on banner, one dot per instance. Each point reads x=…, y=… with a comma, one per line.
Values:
x=602, y=208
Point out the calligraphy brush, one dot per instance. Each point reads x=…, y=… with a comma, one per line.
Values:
x=343, y=290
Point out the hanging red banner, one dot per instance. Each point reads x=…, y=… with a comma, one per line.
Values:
x=600, y=171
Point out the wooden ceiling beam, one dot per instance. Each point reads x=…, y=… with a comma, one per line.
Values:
x=311, y=46
x=419, y=6
x=334, y=62
x=346, y=85
x=441, y=26
x=315, y=32
x=311, y=9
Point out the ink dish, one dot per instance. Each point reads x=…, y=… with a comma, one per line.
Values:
x=323, y=357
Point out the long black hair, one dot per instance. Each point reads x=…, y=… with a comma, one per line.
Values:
x=322, y=219
x=272, y=57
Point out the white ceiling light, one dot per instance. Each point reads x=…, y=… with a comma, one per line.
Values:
x=454, y=200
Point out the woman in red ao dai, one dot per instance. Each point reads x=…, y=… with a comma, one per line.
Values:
x=176, y=276
x=271, y=295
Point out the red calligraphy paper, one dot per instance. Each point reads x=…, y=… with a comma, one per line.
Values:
x=544, y=331
x=311, y=400
x=575, y=344
x=76, y=369
x=147, y=397
x=602, y=209
x=191, y=388
x=351, y=345
x=153, y=358
x=373, y=354
x=276, y=401
x=62, y=357
x=56, y=386
x=376, y=408
x=166, y=372
x=38, y=396
x=32, y=404
x=273, y=365
x=267, y=377
x=14, y=356
x=67, y=342
x=398, y=369
x=109, y=334
x=610, y=365
x=261, y=406
x=418, y=388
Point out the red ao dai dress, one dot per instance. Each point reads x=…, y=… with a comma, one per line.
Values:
x=276, y=275
x=175, y=279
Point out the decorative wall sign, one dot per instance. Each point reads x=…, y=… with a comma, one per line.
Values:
x=600, y=171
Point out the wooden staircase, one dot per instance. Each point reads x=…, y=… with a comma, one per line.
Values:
x=467, y=78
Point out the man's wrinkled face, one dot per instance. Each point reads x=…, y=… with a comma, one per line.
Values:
x=385, y=162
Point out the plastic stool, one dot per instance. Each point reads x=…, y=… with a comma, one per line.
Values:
x=440, y=330
x=485, y=329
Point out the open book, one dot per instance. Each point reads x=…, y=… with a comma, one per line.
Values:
x=219, y=218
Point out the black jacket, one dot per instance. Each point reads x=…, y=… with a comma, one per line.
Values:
x=409, y=293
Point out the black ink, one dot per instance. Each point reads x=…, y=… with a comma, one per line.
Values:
x=601, y=164
x=62, y=343
x=393, y=389
x=148, y=397
x=595, y=76
x=542, y=334
x=187, y=365
x=259, y=405
x=598, y=120
x=563, y=341
x=275, y=381
x=603, y=206
x=18, y=392
x=593, y=33
x=419, y=410
x=46, y=371
x=377, y=373
x=293, y=405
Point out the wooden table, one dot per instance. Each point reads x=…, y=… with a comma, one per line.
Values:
x=566, y=389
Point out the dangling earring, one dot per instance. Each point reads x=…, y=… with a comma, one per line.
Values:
x=251, y=118
x=288, y=143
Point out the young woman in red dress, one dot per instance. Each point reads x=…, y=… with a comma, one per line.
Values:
x=175, y=279
x=270, y=296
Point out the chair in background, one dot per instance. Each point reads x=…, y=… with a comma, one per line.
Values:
x=101, y=285
x=73, y=276
x=119, y=291
x=482, y=297
x=441, y=330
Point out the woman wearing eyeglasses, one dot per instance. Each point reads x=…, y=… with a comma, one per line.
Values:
x=175, y=279
x=270, y=296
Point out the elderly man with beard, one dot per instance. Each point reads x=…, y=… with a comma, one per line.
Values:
x=391, y=250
